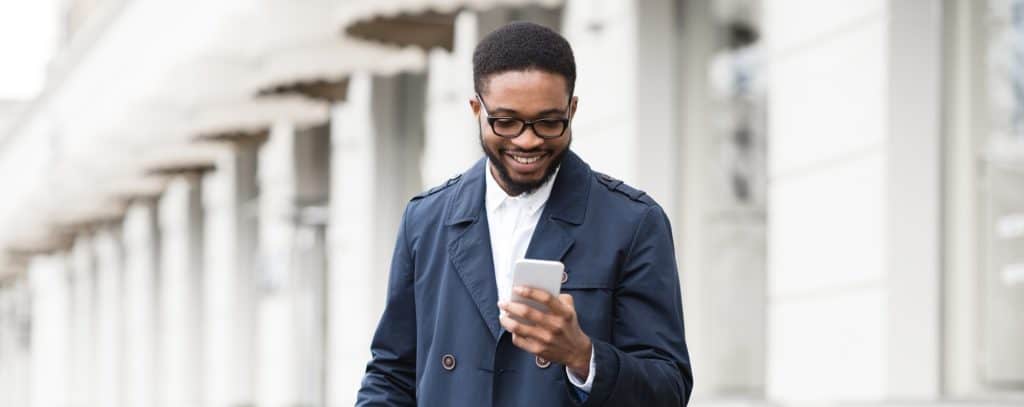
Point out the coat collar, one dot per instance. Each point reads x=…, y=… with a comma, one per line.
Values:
x=568, y=200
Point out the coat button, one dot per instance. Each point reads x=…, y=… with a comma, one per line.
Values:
x=565, y=277
x=542, y=363
x=448, y=362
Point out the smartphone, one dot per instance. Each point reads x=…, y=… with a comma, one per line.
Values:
x=541, y=274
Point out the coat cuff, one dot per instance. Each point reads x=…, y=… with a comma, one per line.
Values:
x=605, y=356
x=584, y=384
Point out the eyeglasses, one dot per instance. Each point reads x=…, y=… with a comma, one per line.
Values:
x=511, y=127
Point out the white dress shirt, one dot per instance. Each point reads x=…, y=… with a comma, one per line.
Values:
x=512, y=220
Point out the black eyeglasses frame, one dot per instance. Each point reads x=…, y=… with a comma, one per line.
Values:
x=526, y=123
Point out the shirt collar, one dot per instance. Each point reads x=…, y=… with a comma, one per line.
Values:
x=494, y=196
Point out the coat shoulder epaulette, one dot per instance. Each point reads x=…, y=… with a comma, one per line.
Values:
x=452, y=181
x=616, y=185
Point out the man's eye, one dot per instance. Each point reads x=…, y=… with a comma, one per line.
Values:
x=549, y=125
x=506, y=123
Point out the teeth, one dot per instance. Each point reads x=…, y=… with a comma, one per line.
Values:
x=525, y=160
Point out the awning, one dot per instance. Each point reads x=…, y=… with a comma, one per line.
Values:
x=422, y=23
x=189, y=158
x=320, y=70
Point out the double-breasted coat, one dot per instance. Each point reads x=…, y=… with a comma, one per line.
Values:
x=439, y=342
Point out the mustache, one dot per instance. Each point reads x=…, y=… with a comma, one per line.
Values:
x=519, y=150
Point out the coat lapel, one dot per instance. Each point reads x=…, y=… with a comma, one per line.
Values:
x=470, y=248
x=565, y=209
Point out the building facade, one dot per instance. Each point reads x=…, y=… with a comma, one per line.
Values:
x=199, y=209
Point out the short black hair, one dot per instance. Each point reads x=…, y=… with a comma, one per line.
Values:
x=520, y=46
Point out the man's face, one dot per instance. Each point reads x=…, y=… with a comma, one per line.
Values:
x=524, y=163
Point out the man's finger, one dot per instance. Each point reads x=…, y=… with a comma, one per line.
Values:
x=567, y=300
x=527, y=344
x=526, y=312
x=543, y=297
x=519, y=328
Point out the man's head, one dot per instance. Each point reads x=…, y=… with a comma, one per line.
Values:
x=524, y=73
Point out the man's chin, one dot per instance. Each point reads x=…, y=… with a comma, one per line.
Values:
x=521, y=183
x=528, y=179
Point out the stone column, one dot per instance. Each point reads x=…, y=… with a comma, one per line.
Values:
x=14, y=340
x=142, y=327
x=50, y=338
x=229, y=195
x=109, y=314
x=83, y=320
x=181, y=292
x=913, y=190
x=294, y=171
x=376, y=138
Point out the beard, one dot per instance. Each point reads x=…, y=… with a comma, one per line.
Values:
x=516, y=188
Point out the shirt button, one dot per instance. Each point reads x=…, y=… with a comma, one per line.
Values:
x=565, y=277
x=448, y=362
x=542, y=363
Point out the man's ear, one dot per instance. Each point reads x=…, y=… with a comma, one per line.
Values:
x=474, y=106
x=572, y=109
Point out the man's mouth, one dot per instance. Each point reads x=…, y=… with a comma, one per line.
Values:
x=527, y=161
x=524, y=160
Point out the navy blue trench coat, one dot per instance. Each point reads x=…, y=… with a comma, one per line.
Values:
x=439, y=342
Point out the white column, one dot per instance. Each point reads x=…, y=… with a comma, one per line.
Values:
x=914, y=200
x=228, y=201
x=376, y=146
x=51, y=320
x=277, y=347
x=109, y=312
x=7, y=345
x=14, y=335
x=967, y=103
x=292, y=177
x=5, y=331
x=451, y=135
x=141, y=309
x=699, y=40
x=83, y=280
x=309, y=303
x=853, y=200
x=180, y=217
x=626, y=74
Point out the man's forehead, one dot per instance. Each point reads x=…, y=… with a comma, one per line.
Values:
x=526, y=92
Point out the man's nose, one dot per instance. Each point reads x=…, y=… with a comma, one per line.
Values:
x=528, y=140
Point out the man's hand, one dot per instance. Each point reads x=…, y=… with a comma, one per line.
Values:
x=554, y=335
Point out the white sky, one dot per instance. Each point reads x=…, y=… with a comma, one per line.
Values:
x=28, y=35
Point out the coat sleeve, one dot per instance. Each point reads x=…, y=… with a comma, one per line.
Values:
x=646, y=362
x=390, y=378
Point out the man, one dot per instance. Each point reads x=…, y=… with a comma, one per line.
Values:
x=614, y=337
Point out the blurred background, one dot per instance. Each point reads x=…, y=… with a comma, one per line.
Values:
x=199, y=198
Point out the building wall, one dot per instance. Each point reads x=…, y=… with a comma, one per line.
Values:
x=827, y=168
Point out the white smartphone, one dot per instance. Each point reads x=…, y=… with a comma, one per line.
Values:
x=541, y=274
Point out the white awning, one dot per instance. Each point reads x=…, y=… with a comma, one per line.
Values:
x=320, y=70
x=423, y=23
x=256, y=116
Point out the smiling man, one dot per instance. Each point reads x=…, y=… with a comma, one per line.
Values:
x=614, y=337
